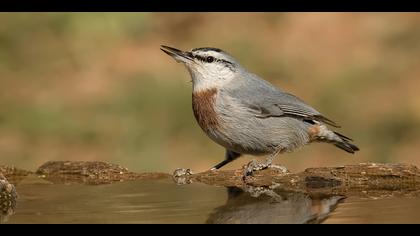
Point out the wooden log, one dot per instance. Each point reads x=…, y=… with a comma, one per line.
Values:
x=13, y=174
x=8, y=198
x=365, y=179
x=91, y=172
x=368, y=179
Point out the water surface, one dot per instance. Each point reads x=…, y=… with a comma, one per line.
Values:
x=162, y=201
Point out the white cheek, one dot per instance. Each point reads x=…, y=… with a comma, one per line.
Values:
x=214, y=78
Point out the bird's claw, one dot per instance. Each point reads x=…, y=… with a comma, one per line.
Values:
x=180, y=176
x=253, y=166
x=250, y=168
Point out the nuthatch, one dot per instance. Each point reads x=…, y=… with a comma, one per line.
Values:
x=248, y=115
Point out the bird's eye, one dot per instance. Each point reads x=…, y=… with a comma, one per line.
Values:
x=210, y=59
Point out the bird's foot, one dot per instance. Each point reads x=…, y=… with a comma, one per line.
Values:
x=180, y=176
x=253, y=166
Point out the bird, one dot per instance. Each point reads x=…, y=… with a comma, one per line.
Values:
x=248, y=115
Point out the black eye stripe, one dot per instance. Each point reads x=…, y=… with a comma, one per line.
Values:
x=200, y=58
x=204, y=59
x=227, y=62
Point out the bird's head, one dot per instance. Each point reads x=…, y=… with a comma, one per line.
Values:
x=209, y=67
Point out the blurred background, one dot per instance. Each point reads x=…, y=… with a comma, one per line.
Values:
x=95, y=86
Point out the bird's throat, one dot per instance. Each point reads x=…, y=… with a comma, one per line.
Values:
x=203, y=103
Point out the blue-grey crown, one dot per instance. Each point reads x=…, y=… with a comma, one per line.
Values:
x=205, y=49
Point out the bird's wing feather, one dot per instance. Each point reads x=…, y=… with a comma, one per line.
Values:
x=267, y=101
x=285, y=105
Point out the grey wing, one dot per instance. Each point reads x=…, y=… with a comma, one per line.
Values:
x=286, y=104
x=266, y=101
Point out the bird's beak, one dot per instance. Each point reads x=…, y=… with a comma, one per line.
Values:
x=178, y=55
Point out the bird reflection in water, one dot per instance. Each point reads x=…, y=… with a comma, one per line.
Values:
x=271, y=205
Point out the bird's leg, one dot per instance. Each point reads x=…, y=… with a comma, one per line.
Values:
x=229, y=157
x=255, y=166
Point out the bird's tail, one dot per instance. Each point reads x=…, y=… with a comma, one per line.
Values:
x=345, y=143
x=322, y=134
